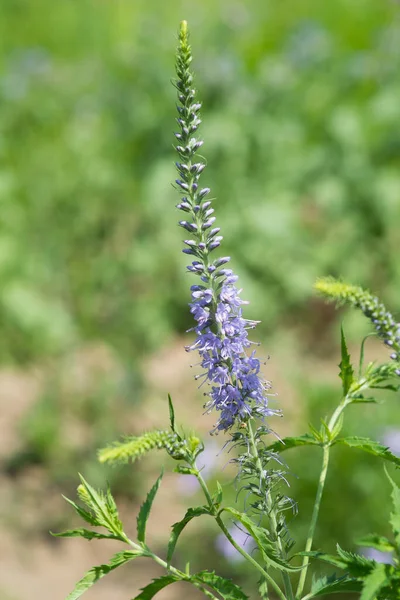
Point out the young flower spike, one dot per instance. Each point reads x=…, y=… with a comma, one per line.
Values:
x=383, y=321
x=237, y=390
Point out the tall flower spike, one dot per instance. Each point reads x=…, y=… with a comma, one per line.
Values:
x=237, y=390
x=383, y=321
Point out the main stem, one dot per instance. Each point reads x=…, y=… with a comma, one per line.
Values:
x=271, y=511
x=318, y=498
x=243, y=552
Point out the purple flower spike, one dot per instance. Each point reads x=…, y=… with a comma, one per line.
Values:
x=236, y=389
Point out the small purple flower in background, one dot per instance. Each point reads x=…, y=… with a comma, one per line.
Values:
x=241, y=537
x=237, y=390
x=377, y=555
x=391, y=439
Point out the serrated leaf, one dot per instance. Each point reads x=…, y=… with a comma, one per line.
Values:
x=346, y=373
x=374, y=582
x=356, y=564
x=178, y=527
x=379, y=542
x=148, y=592
x=292, y=442
x=100, y=571
x=171, y=413
x=103, y=507
x=225, y=587
x=395, y=515
x=87, y=534
x=86, y=515
x=333, y=585
x=369, y=446
x=145, y=509
x=265, y=545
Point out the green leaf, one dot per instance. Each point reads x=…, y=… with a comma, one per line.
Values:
x=97, y=573
x=185, y=470
x=395, y=515
x=145, y=509
x=292, y=442
x=262, y=540
x=263, y=588
x=390, y=386
x=87, y=534
x=369, y=446
x=148, y=592
x=337, y=427
x=225, y=587
x=178, y=527
x=360, y=399
x=374, y=582
x=103, y=507
x=327, y=558
x=171, y=413
x=217, y=497
x=376, y=541
x=86, y=515
x=346, y=373
x=356, y=564
x=333, y=585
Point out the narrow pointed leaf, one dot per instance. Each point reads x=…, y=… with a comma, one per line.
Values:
x=97, y=573
x=374, y=582
x=265, y=545
x=292, y=442
x=148, y=592
x=217, y=497
x=225, y=587
x=346, y=373
x=86, y=515
x=145, y=510
x=333, y=585
x=327, y=558
x=87, y=534
x=369, y=446
x=178, y=527
x=171, y=413
x=395, y=515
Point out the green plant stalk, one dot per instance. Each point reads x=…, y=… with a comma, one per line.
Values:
x=223, y=528
x=271, y=512
x=318, y=498
x=183, y=576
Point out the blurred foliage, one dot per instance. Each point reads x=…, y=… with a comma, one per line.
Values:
x=301, y=112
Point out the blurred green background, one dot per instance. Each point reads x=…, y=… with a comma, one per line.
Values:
x=301, y=110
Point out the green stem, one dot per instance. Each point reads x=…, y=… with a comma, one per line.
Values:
x=182, y=576
x=271, y=512
x=318, y=498
x=243, y=552
x=250, y=559
x=314, y=519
